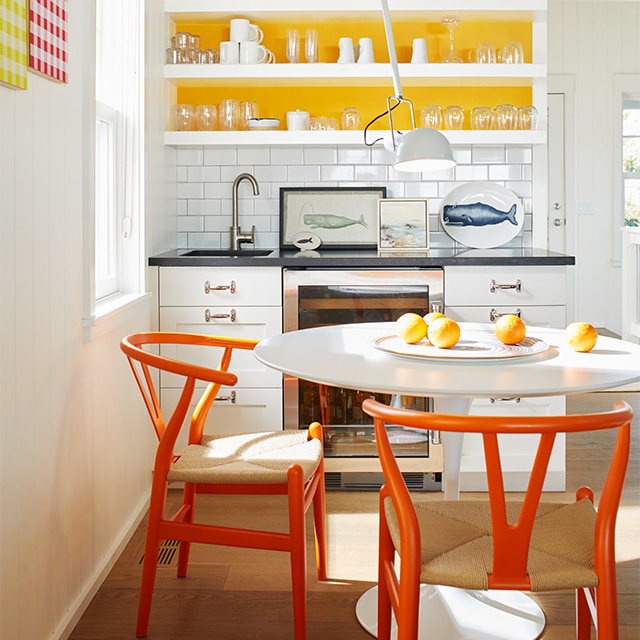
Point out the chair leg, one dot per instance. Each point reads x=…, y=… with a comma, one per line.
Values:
x=607, y=608
x=150, y=564
x=320, y=526
x=189, y=497
x=298, y=550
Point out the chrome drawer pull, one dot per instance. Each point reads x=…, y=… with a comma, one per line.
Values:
x=230, y=398
x=494, y=400
x=494, y=315
x=493, y=285
x=208, y=316
x=231, y=287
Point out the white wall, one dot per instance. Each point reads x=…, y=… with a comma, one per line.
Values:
x=75, y=443
x=590, y=42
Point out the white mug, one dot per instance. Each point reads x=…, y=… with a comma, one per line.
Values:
x=419, y=55
x=298, y=120
x=346, y=51
x=366, y=51
x=241, y=30
x=253, y=53
x=229, y=52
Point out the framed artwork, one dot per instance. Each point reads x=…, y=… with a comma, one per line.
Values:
x=48, y=38
x=341, y=217
x=403, y=225
x=14, y=39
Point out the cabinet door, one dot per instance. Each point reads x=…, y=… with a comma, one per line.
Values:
x=534, y=316
x=200, y=286
x=234, y=411
x=250, y=322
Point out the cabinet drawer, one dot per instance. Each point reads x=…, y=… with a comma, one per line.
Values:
x=473, y=285
x=252, y=323
x=533, y=316
x=181, y=286
x=250, y=410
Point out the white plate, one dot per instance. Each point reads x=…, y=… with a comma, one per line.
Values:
x=472, y=346
x=482, y=214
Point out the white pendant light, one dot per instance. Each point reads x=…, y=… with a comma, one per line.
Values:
x=417, y=150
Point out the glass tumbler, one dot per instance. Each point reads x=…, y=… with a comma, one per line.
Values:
x=350, y=119
x=229, y=115
x=482, y=118
x=506, y=117
x=431, y=117
x=311, y=45
x=248, y=110
x=206, y=117
x=183, y=117
x=453, y=117
x=527, y=117
x=293, y=46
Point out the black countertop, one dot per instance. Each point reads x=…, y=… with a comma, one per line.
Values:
x=370, y=258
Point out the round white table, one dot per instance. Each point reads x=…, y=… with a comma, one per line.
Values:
x=345, y=356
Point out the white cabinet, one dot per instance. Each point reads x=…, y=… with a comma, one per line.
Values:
x=237, y=302
x=538, y=295
x=332, y=76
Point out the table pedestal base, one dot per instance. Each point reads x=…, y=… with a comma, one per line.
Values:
x=447, y=613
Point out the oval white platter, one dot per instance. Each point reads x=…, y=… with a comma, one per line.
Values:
x=482, y=214
x=469, y=347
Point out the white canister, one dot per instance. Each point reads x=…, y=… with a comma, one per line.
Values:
x=298, y=120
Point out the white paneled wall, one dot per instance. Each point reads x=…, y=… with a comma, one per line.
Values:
x=590, y=42
x=75, y=443
x=205, y=176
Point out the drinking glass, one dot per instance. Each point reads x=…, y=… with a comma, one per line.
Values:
x=431, y=117
x=511, y=53
x=506, y=117
x=453, y=117
x=248, y=110
x=311, y=45
x=183, y=117
x=482, y=118
x=485, y=53
x=450, y=23
x=350, y=119
x=293, y=46
x=229, y=115
x=527, y=117
x=206, y=117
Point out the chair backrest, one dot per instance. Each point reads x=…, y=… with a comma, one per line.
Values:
x=513, y=537
x=143, y=361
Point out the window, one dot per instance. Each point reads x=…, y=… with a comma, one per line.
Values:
x=118, y=254
x=631, y=161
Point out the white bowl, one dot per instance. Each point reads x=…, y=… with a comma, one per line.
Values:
x=263, y=124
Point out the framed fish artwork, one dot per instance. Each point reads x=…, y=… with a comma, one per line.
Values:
x=403, y=225
x=482, y=215
x=341, y=217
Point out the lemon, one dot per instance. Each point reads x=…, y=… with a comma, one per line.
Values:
x=431, y=316
x=443, y=332
x=411, y=327
x=510, y=329
x=581, y=336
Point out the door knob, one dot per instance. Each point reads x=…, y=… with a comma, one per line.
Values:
x=557, y=222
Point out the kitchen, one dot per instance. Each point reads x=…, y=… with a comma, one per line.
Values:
x=64, y=522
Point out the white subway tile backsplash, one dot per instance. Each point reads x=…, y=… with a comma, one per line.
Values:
x=205, y=177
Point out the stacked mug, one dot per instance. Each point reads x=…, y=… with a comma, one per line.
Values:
x=243, y=46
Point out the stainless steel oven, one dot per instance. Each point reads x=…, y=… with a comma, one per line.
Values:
x=315, y=297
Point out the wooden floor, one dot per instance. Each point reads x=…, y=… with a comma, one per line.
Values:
x=238, y=594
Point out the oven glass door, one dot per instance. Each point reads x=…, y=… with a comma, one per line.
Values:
x=320, y=298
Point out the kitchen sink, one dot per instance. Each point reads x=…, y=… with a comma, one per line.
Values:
x=228, y=253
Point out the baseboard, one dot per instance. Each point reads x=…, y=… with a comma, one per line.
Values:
x=77, y=608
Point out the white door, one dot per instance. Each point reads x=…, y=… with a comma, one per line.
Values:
x=557, y=230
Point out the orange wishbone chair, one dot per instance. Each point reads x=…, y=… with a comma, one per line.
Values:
x=287, y=463
x=526, y=546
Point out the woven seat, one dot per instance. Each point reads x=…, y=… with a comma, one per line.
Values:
x=500, y=544
x=287, y=463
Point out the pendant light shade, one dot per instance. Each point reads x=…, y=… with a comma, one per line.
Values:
x=423, y=150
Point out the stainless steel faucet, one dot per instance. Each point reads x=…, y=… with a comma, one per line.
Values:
x=237, y=237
